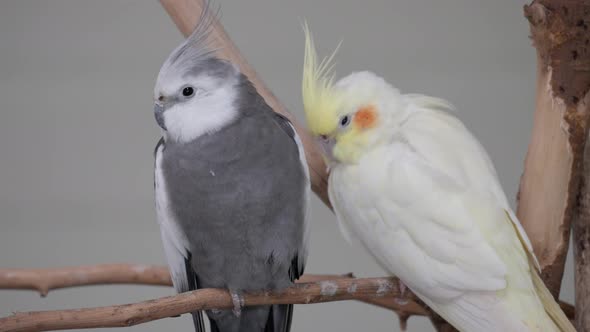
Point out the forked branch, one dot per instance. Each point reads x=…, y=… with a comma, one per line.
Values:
x=204, y=299
x=44, y=280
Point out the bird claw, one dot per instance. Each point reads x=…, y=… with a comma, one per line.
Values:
x=400, y=301
x=238, y=302
x=402, y=290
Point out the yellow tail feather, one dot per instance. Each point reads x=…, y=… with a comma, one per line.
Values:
x=551, y=306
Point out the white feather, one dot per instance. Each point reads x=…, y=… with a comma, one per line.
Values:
x=211, y=108
x=306, y=225
x=430, y=208
x=173, y=239
x=343, y=223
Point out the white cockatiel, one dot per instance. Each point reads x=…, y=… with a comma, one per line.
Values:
x=421, y=194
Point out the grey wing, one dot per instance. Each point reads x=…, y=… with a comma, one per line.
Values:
x=298, y=263
x=174, y=241
x=282, y=315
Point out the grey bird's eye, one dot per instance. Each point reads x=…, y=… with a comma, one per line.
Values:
x=188, y=91
x=344, y=121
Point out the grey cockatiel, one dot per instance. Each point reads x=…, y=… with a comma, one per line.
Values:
x=231, y=186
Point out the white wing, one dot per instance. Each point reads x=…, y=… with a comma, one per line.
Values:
x=173, y=238
x=430, y=208
x=463, y=152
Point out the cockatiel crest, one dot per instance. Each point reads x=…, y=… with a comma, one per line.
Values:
x=354, y=114
x=320, y=102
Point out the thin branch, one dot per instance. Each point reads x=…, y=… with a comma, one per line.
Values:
x=44, y=280
x=204, y=299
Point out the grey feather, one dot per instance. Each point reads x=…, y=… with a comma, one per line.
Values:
x=192, y=285
x=232, y=200
x=245, y=183
x=238, y=195
x=197, y=47
x=179, y=259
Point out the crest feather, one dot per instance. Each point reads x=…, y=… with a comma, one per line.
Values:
x=320, y=101
x=197, y=46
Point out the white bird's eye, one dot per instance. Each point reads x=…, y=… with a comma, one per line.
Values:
x=344, y=121
x=188, y=91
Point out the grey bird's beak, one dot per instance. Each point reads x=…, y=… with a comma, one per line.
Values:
x=159, y=114
x=327, y=145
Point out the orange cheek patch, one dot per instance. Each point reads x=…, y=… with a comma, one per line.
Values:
x=366, y=117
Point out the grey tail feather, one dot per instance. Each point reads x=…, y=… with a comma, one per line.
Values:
x=192, y=285
x=198, y=321
x=213, y=325
x=279, y=318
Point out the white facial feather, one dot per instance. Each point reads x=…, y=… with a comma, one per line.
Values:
x=208, y=110
x=211, y=108
x=365, y=88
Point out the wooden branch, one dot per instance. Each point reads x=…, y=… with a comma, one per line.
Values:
x=551, y=181
x=44, y=280
x=204, y=299
x=185, y=14
x=579, y=66
x=581, y=238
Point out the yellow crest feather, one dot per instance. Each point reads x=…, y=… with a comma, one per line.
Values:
x=320, y=101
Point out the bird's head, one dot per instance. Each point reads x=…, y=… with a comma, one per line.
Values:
x=351, y=116
x=195, y=91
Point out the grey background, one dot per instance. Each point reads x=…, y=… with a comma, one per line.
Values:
x=77, y=129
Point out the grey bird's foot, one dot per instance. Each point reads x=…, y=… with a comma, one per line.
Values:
x=402, y=290
x=238, y=302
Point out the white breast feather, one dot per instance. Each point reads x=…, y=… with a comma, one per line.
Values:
x=173, y=239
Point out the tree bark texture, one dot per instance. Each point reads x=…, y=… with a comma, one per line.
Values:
x=555, y=187
x=550, y=185
x=202, y=299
